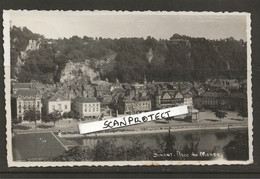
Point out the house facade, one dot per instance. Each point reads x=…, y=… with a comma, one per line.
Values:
x=143, y=104
x=134, y=106
x=26, y=99
x=101, y=90
x=187, y=100
x=86, y=107
x=60, y=103
x=168, y=98
x=88, y=91
x=221, y=100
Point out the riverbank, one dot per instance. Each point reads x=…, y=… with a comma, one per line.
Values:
x=153, y=131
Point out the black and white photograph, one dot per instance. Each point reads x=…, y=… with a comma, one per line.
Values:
x=64, y=69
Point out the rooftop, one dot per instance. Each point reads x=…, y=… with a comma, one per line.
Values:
x=142, y=98
x=86, y=100
x=29, y=92
x=215, y=94
x=22, y=85
x=58, y=97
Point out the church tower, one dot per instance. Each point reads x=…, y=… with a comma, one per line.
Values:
x=158, y=96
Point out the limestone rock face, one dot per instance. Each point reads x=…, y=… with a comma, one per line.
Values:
x=149, y=55
x=23, y=55
x=33, y=45
x=75, y=69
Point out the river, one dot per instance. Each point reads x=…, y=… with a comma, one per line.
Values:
x=205, y=140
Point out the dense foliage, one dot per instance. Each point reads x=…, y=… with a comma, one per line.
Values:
x=237, y=149
x=32, y=115
x=108, y=150
x=129, y=59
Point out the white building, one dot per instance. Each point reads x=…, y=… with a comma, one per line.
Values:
x=60, y=103
x=26, y=99
x=188, y=100
x=86, y=107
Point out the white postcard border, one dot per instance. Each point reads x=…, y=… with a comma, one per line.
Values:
x=7, y=81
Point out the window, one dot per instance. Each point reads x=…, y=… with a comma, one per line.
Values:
x=97, y=109
x=93, y=109
x=53, y=107
x=85, y=109
x=20, y=111
x=38, y=104
x=19, y=104
x=65, y=106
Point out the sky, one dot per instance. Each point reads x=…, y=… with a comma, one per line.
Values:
x=60, y=24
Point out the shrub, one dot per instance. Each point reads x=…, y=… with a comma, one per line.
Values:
x=71, y=114
x=17, y=120
x=18, y=127
x=65, y=115
x=46, y=119
x=42, y=126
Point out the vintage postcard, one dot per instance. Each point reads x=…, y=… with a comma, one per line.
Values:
x=118, y=88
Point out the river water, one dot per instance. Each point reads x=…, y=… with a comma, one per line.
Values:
x=204, y=140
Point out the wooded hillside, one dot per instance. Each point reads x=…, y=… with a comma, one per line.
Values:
x=180, y=58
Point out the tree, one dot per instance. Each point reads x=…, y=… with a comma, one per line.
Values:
x=243, y=112
x=137, y=151
x=75, y=154
x=32, y=115
x=71, y=114
x=237, y=149
x=54, y=116
x=16, y=120
x=45, y=118
x=106, y=150
x=220, y=114
x=65, y=115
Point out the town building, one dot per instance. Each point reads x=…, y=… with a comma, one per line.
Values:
x=143, y=104
x=223, y=100
x=138, y=87
x=187, y=100
x=86, y=107
x=226, y=83
x=101, y=90
x=88, y=91
x=136, y=105
x=26, y=99
x=60, y=103
x=168, y=98
x=115, y=86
